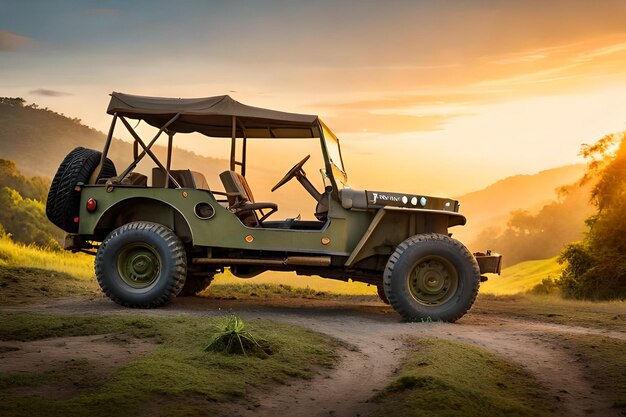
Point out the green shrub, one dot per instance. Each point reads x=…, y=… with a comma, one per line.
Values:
x=547, y=286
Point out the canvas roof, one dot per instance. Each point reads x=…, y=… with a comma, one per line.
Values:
x=212, y=116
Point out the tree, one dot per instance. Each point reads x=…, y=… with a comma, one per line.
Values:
x=33, y=187
x=23, y=214
x=12, y=101
x=596, y=267
x=25, y=220
x=542, y=234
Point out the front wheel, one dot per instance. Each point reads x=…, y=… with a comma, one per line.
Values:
x=431, y=277
x=141, y=265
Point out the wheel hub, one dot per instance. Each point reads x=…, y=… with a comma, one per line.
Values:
x=432, y=281
x=139, y=265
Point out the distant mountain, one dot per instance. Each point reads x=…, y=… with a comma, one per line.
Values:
x=38, y=139
x=490, y=207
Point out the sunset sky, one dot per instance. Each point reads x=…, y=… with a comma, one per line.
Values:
x=440, y=97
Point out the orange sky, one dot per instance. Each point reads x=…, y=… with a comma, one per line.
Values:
x=435, y=97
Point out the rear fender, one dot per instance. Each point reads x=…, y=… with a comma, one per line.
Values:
x=144, y=209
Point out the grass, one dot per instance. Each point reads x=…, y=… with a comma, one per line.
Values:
x=605, y=364
x=79, y=265
x=442, y=378
x=521, y=277
x=306, y=283
x=246, y=290
x=177, y=373
x=554, y=309
x=20, y=285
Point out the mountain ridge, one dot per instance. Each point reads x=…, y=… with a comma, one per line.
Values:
x=491, y=206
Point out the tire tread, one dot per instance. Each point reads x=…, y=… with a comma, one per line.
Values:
x=402, y=248
x=176, y=252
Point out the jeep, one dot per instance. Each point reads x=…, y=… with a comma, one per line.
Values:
x=155, y=238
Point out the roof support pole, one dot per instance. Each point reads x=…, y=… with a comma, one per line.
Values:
x=105, y=151
x=146, y=150
x=244, y=150
x=243, y=158
x=135, y=150
x=137, y=140
x=168, y=163
x=233, y=144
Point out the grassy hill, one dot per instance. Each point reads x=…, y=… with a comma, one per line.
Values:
x=521, y=277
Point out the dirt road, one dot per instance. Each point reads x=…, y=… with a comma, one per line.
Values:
x=378, y=338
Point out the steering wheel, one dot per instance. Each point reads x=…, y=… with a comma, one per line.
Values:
x=292, y=173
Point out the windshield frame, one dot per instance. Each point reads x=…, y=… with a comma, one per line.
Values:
x=335, y=169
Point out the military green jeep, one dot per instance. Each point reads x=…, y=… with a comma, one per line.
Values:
x=154, y=241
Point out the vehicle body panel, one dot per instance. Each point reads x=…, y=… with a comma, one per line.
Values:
x=224, y=229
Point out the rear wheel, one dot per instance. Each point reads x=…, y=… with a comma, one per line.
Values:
x=141, y=265
x=381, y=294
x=431, y=276
x=195, y=284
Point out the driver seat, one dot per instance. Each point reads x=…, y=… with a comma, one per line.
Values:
x=241, y=202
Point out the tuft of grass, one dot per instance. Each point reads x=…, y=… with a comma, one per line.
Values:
x=231, y=337
x=442, y=378
x=522, y=277
x=176, y=370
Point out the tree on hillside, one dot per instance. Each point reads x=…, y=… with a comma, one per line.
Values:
x=543, y=234
x=12, y=101
x=596, y=266
x=25, y=220
x=33, y=187
x=22, y=213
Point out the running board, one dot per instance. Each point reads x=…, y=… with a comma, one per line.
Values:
x=289, y=261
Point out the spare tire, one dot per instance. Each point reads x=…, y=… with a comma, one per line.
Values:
x=62, y=206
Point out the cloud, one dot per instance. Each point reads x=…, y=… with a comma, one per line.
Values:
x=602, y=52
x=360, y=121
x=49, y=93
x=103, y=12
x=11, y=41
x=404, y=101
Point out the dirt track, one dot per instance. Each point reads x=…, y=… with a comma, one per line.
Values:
x=378, y=337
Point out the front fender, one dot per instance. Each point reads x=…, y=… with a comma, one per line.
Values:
x=392, y=225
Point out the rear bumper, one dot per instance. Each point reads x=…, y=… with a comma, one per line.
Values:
x=75, y=242
x=489, y=264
